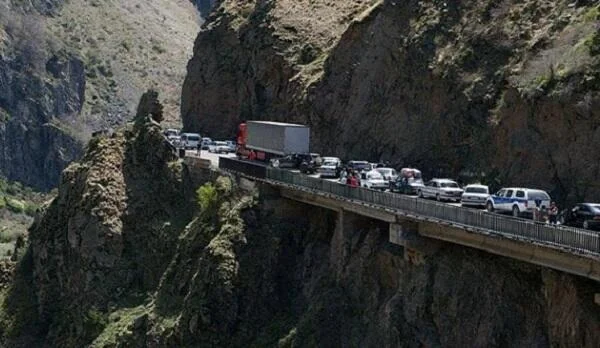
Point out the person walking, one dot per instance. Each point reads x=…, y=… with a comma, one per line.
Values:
x=199, y=148
x=552, y=213
x=353, y=181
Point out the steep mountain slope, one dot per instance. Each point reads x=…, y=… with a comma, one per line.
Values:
x=504, y=88
x=70, y=67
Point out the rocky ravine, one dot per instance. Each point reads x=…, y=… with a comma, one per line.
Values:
x=507, y=88
x=68, y=68
x=117, y=260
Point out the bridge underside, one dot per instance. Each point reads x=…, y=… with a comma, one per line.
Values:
x=420, y=236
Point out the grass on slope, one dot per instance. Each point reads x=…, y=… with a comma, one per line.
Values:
x=18, y=205
x=129, y=46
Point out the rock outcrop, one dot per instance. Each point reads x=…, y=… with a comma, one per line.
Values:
x=502, y=90
x=108, y=235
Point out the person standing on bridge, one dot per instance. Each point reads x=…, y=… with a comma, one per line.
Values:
x=199, y=148
x=552, y=213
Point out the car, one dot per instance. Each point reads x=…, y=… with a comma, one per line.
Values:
x=475, y=195
x=409, y=182
x=331, y=167
x=389, y=174
x=231, y=146
x=517, y=200
x=190, y=140
x=359, y=166
x=170, y=132
x=586, y=215
x=441, y=190
x=218, y=147
x=373, y=180
x=175, y=140
x=292, y=161
x=206, y=142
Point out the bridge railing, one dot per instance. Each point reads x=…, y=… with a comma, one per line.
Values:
x=566, y=237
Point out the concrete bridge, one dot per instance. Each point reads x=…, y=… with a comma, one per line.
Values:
x=420, y=225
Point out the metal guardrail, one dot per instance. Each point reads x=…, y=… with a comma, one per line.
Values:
x=575, y=239
x=249, y=168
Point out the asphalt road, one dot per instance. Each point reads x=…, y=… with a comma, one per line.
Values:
x=214, y=159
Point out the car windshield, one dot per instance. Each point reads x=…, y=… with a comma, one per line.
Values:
x=476, y=190
x=374, y=176
x=596, y=207
x=329, y=163
x=193, y=138
x=220, y=143
x=533, y=195
x=449, y=184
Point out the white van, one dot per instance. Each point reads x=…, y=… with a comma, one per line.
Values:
x=190, y=140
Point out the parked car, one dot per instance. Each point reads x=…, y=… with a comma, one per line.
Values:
x=441, y=190
x=359, y=166
x=409, y=182
x=190, y=140
x=389, y=174
x=206, y=142
x=586, y=215
x=475, y=195
x=331, y=167
x=218, y=147
x=517, y=200
x=373, y=180
x=292, y=161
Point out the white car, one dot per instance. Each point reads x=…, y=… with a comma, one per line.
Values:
x=475, y=195
x=330, y=168
x=517, y=200
x=218, y=147
x=442, y=190
x=373, y=180
x=389, y=174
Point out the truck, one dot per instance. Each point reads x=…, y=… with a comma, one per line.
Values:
x=265, y=140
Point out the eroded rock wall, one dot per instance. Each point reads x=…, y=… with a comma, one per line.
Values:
x=500, y=90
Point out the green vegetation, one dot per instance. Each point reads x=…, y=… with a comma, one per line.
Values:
x=207, y=197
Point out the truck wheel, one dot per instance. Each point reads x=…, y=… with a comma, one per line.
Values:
x=586, y=225
x=515, y=211
x=490, y=207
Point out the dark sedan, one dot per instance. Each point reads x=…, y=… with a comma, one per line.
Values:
x=586, y=215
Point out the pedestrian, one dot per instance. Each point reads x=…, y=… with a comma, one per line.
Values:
x=537, y=214
x=552, y=213
x=353, y=181
x=199, y=148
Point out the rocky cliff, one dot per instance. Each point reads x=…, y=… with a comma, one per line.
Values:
x=68, y=68
x=502, y=88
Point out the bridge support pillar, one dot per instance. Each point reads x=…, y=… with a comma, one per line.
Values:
x=416, y=247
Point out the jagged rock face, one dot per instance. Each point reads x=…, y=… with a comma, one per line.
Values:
x=109, y=233
x=34, y=135
x=449, y=87
x=293, y=277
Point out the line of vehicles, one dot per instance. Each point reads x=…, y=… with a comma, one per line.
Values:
x=287, y=145
x=193, y=141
